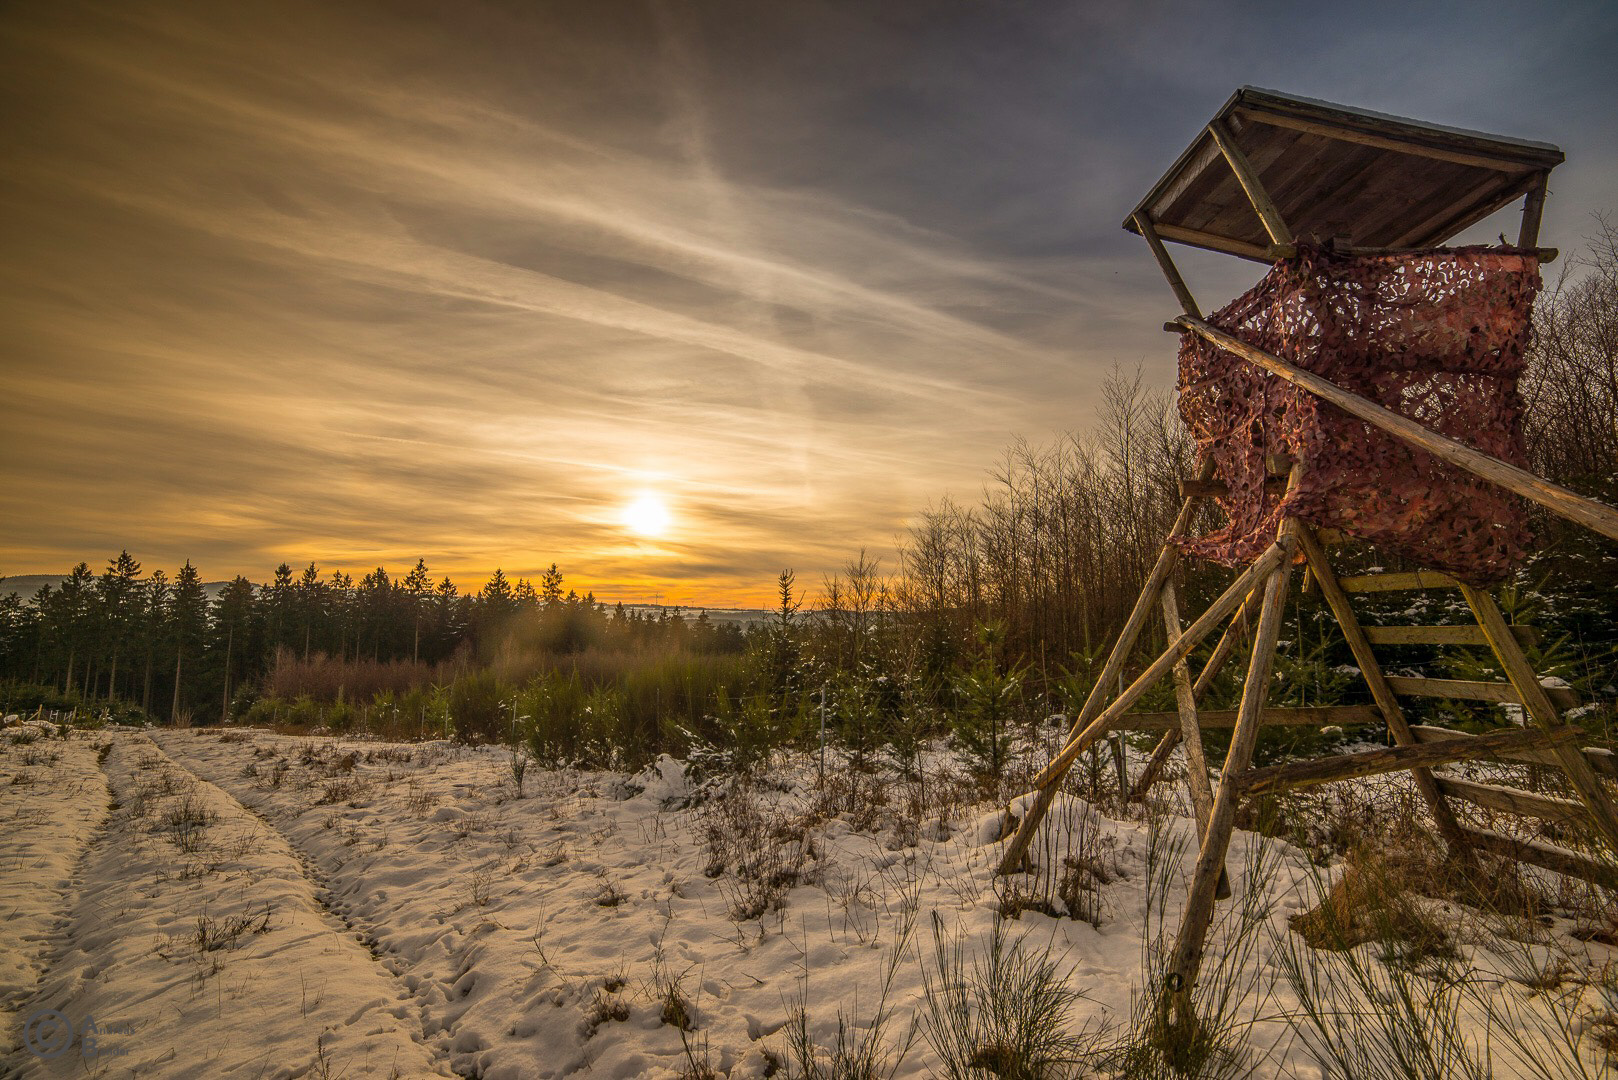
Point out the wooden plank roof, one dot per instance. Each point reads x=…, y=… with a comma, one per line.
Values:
x=1334, y=171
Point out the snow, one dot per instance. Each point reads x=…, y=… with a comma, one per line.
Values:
x=407, y=914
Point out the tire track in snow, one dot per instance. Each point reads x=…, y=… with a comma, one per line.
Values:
x=53, y=816
x=208, y=952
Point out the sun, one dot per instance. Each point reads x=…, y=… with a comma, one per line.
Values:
x=648, y=515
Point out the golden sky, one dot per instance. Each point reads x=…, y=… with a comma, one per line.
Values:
x=361, y=283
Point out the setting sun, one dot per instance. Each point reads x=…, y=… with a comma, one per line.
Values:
x=647, y=516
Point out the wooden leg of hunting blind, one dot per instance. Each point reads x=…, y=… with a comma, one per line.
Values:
x=1544, y=713
x=1186, y=961
x=1234, y=632
x=1358, y=644
x=1111, y=670
x=1196, y=765
x=1046, y=782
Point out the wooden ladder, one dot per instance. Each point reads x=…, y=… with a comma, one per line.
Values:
x=1543, y=738
x=1593, y=811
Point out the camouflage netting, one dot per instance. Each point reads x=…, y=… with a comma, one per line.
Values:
x=1438, y=337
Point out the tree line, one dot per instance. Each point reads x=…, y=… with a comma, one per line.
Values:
x=162, y=644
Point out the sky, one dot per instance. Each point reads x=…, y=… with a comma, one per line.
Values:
x=361, y=283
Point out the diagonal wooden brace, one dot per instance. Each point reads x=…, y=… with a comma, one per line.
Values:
x=1048, y=779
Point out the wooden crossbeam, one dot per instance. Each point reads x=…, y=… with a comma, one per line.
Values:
x=1602, y=761
x=1094, y=704
x=1541, y=853
x=1412, y=579
x=1473, y=690
x=1554, y=497
x=1514, y=801
x=1443, y=635
x=1397, y=759
x=1247, y=176
x=1234, y=631
x=1272, y=716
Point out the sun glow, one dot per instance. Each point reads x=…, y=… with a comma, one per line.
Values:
x=648, y=515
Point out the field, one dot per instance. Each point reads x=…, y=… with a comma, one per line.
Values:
x=245, y=904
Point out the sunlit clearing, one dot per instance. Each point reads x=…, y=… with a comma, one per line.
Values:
x=647, y=516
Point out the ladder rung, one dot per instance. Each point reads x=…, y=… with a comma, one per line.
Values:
x=1602, y=761
x=1469, y=690
x=1540, y=853
x=1442, y=635
x=1513, y=800
x=1425, y=635
x=1272, y=716
x=1413, y=579
x=1397, y=758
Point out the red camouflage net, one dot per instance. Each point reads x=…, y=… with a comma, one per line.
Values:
x=1436, y=336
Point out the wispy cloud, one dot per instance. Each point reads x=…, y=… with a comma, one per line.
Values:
x=349, y=283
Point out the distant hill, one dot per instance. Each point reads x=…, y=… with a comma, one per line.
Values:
x=28, y=584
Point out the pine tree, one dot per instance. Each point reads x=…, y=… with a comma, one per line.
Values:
x=187, y=621
x=154, y=612
x=73, y=618
x=116, y=595
x=550, y=587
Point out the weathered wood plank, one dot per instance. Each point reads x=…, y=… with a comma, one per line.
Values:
x=1272, y=716
x=1513, y=801
x=1442, y=635
x=1476, y=159
x=1182, y=292
x=1533, y=209
x=1560, y=500
x=1186, y=960
x=1400, y=582
x=1225, y=245
x=1397, y=758
x=1248, y=177
x=1544, y=854
x=1471, y=690
x=1602, y=761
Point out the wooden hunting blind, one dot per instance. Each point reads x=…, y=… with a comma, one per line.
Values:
x=1365, y=389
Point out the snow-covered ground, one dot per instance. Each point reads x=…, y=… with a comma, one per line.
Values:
x=248, y=904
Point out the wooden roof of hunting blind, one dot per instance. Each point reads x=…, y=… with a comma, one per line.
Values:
x=1323, y=172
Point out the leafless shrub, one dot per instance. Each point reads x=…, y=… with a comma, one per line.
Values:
x=186, y=822
x=470, y=824
x=349, y=790
x=418, y=800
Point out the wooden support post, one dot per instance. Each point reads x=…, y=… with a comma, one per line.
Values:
x=1171, y=738
x=1543, y=712
x=1336, y=599
x=1188, y=303
x=1046, y=782
x=1181, y=976
x=1560, y=500
x=1111, y=670
x=1248, y=178
x=1533, y=208
x=1196, y=764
